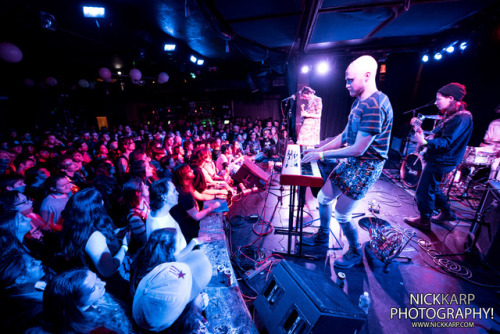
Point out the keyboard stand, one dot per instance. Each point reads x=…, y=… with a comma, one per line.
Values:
x=295, y=229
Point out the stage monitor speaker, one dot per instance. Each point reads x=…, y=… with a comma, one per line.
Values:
x=488, y=237
x=296, y=300
x=251, y=175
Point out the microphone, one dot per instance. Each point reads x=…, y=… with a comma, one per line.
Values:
x=292, y=97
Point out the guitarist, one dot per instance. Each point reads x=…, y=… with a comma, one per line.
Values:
x=444, y=152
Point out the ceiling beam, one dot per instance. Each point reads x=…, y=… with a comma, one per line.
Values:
x=312, y=19
x=391, y=4
x=264, y=17
x=396, y=11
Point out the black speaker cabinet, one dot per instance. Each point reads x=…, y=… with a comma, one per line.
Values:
x=488, y=234
x=296, y=300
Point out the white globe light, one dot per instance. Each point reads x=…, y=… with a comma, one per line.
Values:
x=323, y=67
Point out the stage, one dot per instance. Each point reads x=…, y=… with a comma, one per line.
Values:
x=421, y=285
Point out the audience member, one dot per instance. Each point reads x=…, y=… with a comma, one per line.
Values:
x=58, y=187
x=136, y=198
x=188, y=212
x=21, y=291
x=76, y=301
x=164, y=284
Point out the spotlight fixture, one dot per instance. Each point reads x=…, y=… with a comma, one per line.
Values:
x=450, y=49
x=200, y=62
x=438, y=56
x=463, y=46
x=169, y=47
x=323, y=67
x=94, y=12
x=48, y=21
x=193, y=59
x=425, y=58
x=304, y=69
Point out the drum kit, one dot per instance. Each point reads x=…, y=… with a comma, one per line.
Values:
x=472, y=173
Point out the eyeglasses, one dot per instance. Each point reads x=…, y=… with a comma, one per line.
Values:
x=27, y=200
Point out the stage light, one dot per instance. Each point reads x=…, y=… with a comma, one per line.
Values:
x=48, y=21
x=304, y=69
x=463, y=46
x=193, y=59
x=200, y=62
x=94, y=12
x=323, y=67
x=438, y=56
x=425, y=58
x=169, y=47
x=450, y=49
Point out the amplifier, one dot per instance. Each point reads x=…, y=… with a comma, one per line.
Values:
x=296, y=300
x=487, y=234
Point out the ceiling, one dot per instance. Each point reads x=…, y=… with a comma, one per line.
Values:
x=234, y=36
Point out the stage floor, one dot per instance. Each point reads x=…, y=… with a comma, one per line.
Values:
x=255, y=218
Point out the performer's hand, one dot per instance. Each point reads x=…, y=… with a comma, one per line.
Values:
x=308, y=150
x=311, y=156
x=416, y=124
x=419, y=136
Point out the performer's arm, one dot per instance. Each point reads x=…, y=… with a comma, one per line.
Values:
x=336, y=142
x=363, y=141
x=450, y=133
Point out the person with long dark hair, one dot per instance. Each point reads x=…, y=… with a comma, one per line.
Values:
x=22, y=298
x=136, y=198
x=162, y=197
x=41, y=240
x=76, y=301
x=188, y=212
x=88, y=237
x=445, y=150
x=13, y=228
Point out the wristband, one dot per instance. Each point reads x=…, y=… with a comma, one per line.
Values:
x=196, y=241
x=125, y=248
x=321, y=156
x=425, y=142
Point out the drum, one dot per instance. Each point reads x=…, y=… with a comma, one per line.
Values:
x=473, y=179
x=478, y=156
x=411, y=169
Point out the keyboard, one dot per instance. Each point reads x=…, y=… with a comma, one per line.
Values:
x=296, y=173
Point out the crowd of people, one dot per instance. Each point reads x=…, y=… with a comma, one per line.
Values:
x=98, y=229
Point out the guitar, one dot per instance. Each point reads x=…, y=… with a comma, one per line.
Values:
x=416, y=123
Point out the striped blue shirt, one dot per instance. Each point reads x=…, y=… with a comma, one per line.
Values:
x=373, y=115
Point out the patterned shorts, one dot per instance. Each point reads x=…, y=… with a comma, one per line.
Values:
x=354, y=177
